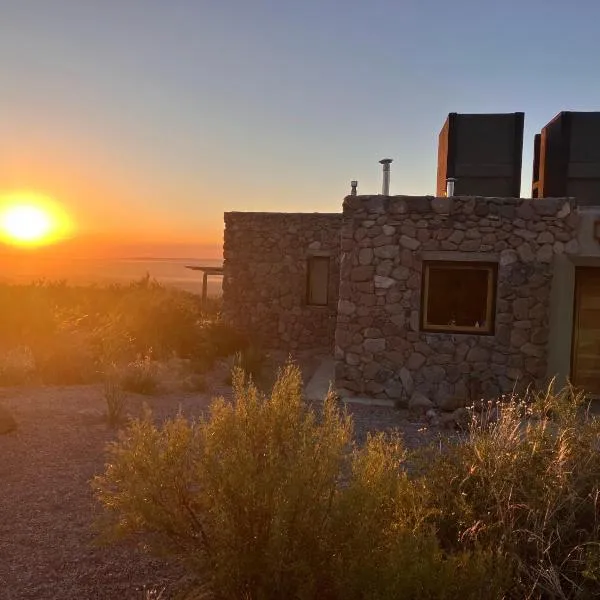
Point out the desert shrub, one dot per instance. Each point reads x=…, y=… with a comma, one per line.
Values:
x=211, y=308
x=17, y=366
x=67, y=358
x=264, y=499
x=140, y=376
x=527, y=485
x=195, y=383
x=114, y=396
x=251, y=360
x=75, y=332
x=218, y=339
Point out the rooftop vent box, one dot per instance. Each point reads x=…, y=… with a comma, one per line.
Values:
x=567, y=158
x=483, y=153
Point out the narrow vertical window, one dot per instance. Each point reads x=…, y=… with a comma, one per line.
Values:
x=318, y=281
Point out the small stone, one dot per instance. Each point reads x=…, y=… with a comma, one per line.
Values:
x=430, y=414
x=518, y=337
x=565, y=211
x=389, y=230
x=374, y=345
x=365, y=256
x=372, y=332
x=525, y=253
x=441, y=206
x=345, y=307
x=314, y=246
x=419, y=403
x=409, y=242
x=398, y=320
x=373, y=387
x=450, y=403
x=352, y=359
x=401, y=273
x=525, y=234
x=388, y=251
x=415, y=361
x=362, y=273
x=508, y=257
x=546, y=206
x=394, y=390
x=540, y=335
x=457, y=236
x=545, y=253
x=545, y=238
x=478, y=354
x=406, y=379
x=383, y=282
x=525, y=211
x=532, y=350
x=521, y=309
x=434, y=374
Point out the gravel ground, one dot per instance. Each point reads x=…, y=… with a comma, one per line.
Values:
x=47, y=510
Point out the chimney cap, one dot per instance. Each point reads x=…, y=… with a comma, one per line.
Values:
x=385, y=161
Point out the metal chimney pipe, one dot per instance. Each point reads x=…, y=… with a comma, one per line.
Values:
x=450, y=187
x=386, y=175
x=353, y=186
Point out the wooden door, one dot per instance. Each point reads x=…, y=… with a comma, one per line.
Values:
x=586, y=333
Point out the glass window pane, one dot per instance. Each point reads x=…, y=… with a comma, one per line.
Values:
x=459, y=296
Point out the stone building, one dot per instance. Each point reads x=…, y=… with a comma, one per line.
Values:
x=452, y=297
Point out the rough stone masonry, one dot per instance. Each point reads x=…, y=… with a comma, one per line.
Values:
x=265, y=277
x=380, y=349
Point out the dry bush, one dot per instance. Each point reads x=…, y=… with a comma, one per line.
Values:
x=140, y=376
x=17, y=366
x=266, y=500
x=527, y=485
x=114, y=396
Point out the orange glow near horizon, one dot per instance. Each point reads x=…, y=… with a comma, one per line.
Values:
x=28, y=219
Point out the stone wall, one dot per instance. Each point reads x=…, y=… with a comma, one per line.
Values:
x=381, y=351
x=265, y=277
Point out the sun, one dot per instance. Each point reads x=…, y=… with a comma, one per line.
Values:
x=31, y=220
x=26, y=223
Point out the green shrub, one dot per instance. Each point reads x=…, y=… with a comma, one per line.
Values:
x=140, y=376
x=527, y=485
x=266, y=500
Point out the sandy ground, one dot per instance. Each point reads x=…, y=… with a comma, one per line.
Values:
x=47, y=510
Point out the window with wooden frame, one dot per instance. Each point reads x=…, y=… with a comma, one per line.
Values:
x=459, y=297
x=317, y=281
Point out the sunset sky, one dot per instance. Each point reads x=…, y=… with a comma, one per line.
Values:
x=146, y=119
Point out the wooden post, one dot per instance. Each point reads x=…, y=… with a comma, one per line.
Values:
x=204, y=286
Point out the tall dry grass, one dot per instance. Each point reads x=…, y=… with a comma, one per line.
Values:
x=527, y=484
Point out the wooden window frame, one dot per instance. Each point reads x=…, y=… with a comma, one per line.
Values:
x=491, y=267
x=309, y=260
